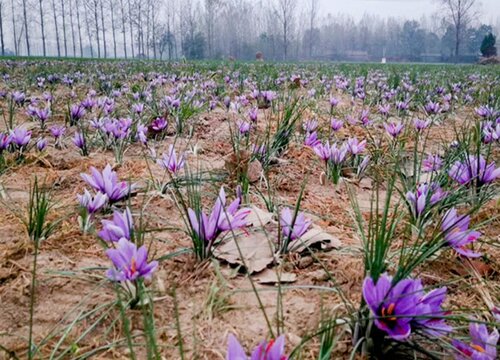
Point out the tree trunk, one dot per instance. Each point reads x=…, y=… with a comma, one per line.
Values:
x=14, y=27
x=42, y=25
x=89, y=32
x=64, y=29
x=57, y=28
x=153, y=29
x=79, y=27
x=112, y=11
x=97, y=29
x=72, y=24
x=1, y=29
x=131, y=28
x=123, y=29
x=26, y=33
x=103, y=31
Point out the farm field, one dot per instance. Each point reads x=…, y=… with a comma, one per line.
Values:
x=154, y=210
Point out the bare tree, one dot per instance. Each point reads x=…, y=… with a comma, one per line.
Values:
x=42, y=25
x=460, y=13
x=72, y=24
x=63, y=13
x=313, y=13
x=56, y=28
x=123, y=29
x=131, y=22
x=78, y=23
x=285, y=13
x=103, y=30
x=26, y=32
x=1, y=27
x=89, y=31
x=112, y=11
x=16, y=50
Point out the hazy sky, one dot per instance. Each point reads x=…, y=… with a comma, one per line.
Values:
x=490, y=9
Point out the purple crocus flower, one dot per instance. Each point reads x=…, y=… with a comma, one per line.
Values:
x=474, y=168
x=107, y=183
x=92, y=204
x=243, y=127
x=141, y=134
x=20, y=136
x=432, y=108
x=457, y=234
x=19, y=97
x=334, y=102
x=393, y=305
x=129, y=262
x=266, y=350
x=5, y=140
x=138, y=108
x=79, y=140
x=485, y=111
x=394, y=128
x=336, y=124
x=120, y=227
x=310, y=125
x=41, y=144
x=338, y=154
x=170, y=161
x=312, y=140
x=295, y=230
x=420, y=124
x=356, y=147
x=432, y=163
x=323, y=151
x=431, y=317
x=252, y=114
x=159, y=124
x=483, y=344
x=43, y=114
x=57, y=131
x=425, y=196
x=207, y=228
x=384, y=109
x=76, y=112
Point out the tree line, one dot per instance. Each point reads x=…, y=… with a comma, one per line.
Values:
x=222, y=29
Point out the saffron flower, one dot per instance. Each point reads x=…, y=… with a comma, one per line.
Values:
x=76, y=112
x=483, y=344
x=293, y=229
x=420, y=124
x=20, y=136
x=457, y=234
x=120, y=227
x=393, y=305
x=41, y=144
x=107, y=183
x=159, y=124
x=92, y=204
x=430, y=315
x=474, y=168
x=5, y=140
x=272, y=350
x=356, y=147
x=425, y=196
x=312, y=140
x=208, y=228
x=338, y=154
x=170, y=161
x=129, y=262
x=79, y=140
x=323, y=151
x=394, y=129
x=432, y=163
x=336, y=124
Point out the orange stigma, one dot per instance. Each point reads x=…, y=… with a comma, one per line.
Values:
x=133, y=266
x=478, y=348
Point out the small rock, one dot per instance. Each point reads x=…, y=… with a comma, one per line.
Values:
x=319, y=275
